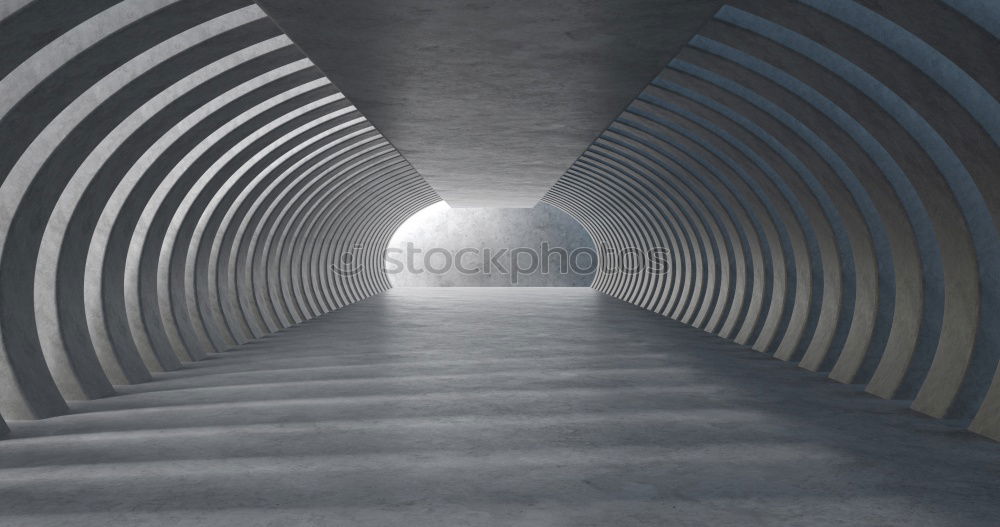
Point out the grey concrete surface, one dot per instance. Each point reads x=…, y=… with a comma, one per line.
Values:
x=175, y=178
x=824, y=175
x=495, y=406
x=491, y=101
x=497, y=248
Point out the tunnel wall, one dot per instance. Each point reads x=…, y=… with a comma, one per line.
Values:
x=177, y=179
x=824, y=173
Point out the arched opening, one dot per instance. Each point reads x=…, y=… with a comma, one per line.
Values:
x=330, y=260
x=442, y=246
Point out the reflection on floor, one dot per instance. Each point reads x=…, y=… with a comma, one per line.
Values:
x=495, y=406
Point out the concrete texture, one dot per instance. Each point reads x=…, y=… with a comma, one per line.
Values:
x=824, y=174
x=531, y=406
x=491, y=101
x=176, y=178
x=485, y=240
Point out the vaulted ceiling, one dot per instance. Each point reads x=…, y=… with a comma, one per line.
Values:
x=491, y=101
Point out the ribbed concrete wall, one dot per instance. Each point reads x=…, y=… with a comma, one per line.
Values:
x=177, y=178
x=824, y=172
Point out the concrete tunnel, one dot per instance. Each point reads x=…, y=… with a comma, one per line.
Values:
x=182, y=177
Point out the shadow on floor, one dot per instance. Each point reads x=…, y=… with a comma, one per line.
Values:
x=494, y=407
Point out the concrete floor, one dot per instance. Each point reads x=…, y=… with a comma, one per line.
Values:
x=495, y=406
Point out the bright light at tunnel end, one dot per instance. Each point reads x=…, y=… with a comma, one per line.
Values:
x=496, y=246
x=513, y=262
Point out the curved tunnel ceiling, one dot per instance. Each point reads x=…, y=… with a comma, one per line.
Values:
x=491, y=101
x=179, y=177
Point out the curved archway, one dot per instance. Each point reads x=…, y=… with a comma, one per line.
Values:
x=482, y=247
x=813, y=180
